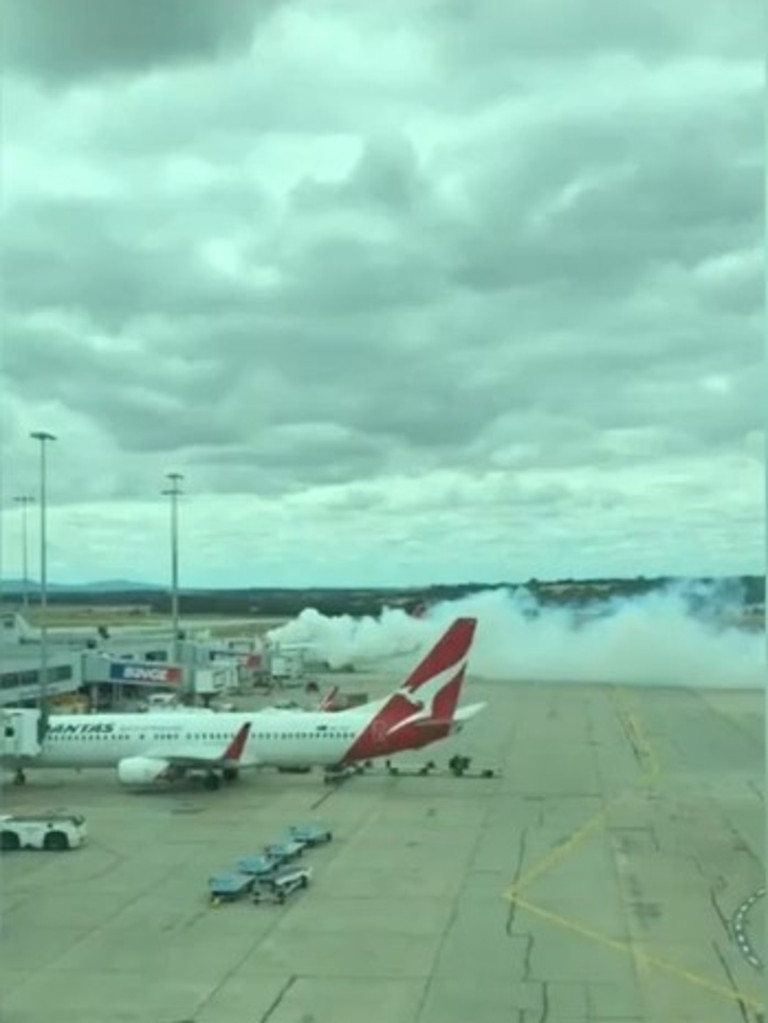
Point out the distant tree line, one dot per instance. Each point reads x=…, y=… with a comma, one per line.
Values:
x=286, y=603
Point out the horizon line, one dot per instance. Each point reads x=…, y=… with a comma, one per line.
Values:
x=19, y=586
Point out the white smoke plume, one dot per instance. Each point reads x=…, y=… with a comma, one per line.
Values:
x=680, y=636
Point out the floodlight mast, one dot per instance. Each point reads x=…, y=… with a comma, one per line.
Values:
x=25, y=500
x=44, y=439
x=174, y=492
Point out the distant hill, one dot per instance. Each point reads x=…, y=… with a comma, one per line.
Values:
x=284, y=602
x=102, y=586
x=120, y=586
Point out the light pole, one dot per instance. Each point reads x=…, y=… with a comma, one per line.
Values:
x=174, y=492
x=2, y=536
x=25, y=501
x=44, y=438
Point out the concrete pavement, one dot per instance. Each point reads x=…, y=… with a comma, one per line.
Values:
x=598, y=879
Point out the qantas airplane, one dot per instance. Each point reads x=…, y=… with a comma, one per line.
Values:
x=164, y=747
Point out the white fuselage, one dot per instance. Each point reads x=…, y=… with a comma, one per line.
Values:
x=276, y=738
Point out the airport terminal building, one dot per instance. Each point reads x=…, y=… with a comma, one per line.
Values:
x=102, y=673
x=20, y=676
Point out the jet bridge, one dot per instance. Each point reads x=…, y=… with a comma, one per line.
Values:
x=19, y=737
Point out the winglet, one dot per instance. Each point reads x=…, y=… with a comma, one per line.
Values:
x=235, y=749
x=327, y=701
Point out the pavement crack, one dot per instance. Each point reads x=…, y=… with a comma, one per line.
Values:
x=521, y=851
x=629, y=735
x=755, y=790
x=699, y=866
x=544, y=1003
x=720, y=914
x=326, y=795
x=238, y=963
x=732, y=983
x=527, y=957
x=453, y=917
x=278, y=999
x=725, y=719
x=741, y=845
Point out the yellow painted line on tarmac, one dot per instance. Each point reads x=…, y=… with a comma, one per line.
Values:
x=562, y=852
x=642, y=958
x=650, y=769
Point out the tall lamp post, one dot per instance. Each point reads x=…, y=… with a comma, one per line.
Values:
x=44, y=438
x=174, y=492
x=25, y=501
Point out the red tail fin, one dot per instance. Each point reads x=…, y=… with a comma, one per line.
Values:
x=421, y=710
x=450, y=650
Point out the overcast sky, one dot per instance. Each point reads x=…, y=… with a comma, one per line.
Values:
x=412, y=291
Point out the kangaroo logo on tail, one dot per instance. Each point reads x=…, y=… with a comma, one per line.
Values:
x=422, y=709
x=432, y=690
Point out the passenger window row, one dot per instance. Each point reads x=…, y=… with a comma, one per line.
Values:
x=204, y=737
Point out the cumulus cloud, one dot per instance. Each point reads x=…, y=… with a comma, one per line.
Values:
x=85, y=39
x=489, y=290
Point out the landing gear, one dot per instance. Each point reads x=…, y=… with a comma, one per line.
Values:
x=457, y=765
x=19, y=777
x=212, y=780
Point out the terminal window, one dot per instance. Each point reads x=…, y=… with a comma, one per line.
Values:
x=14, y=679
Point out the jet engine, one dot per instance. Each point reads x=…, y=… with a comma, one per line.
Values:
x=142, y=770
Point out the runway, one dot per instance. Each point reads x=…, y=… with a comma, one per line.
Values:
x=597, y=880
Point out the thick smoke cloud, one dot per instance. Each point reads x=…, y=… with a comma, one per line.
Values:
x=681, y=636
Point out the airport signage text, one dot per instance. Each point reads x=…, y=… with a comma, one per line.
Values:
x=149, y=674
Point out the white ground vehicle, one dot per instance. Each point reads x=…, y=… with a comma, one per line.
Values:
x=285, y=882
x=56, y=831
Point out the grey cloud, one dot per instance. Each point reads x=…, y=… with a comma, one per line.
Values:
x=485, y=34
x=356, y=377
x=108, y=258
x=574, y=285
x=147, y=401
x=287, y=459
x=733, y=282
x=351, y=275
x=69, y=40
x=221, y=118
x=387, y=175
x=714, y=418
x=595, y=200
x=273, y=92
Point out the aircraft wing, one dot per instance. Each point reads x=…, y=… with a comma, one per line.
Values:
x=192, y=757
